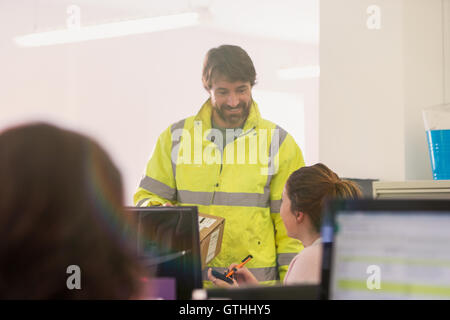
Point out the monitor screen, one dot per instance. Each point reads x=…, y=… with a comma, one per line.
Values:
x=167, y=241
x=387, y=249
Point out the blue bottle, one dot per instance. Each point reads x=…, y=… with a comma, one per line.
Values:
x=439, y=148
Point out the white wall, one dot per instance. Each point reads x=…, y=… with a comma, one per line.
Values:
x=423, y=78
x=374, y=84
x=126, y=91
x=361, y=83
x=446, y=36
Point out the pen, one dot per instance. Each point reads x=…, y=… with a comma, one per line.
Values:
x=240, y=265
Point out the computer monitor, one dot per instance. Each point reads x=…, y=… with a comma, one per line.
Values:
x=167, y=241
x=386, y=249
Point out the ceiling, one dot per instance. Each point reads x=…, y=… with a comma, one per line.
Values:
x=292, y=20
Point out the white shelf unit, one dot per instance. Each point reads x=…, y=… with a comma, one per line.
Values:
x=414, y=189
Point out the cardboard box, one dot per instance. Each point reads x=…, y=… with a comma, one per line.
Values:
x=211, y=234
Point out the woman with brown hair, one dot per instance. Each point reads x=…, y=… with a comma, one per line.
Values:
x=304, y=196
x=61, y=203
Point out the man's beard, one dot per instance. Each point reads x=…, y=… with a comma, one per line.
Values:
x=233, y=119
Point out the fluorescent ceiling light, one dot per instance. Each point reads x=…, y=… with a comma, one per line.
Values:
x=109, y=30
x=299, y=73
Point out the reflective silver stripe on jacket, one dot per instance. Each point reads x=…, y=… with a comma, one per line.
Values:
x=176, y=131
x=142, y=202
x=275, y=206
x=273, y=151
x=158, y=188
x=224, y=198
x=284, y=259
x=261, y=274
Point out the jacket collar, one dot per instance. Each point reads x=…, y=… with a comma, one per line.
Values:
x=205, y=114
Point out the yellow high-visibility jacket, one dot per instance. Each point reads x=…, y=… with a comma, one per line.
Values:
x=242, y=183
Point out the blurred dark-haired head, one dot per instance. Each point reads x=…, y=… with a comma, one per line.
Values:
x=61, y=205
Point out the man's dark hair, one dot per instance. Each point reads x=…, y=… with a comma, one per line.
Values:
x=231, y=62
x=61, y=205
